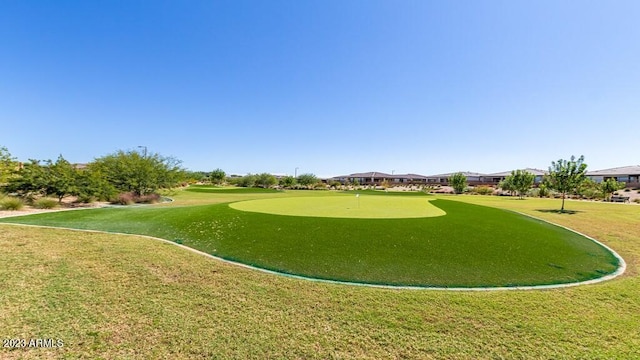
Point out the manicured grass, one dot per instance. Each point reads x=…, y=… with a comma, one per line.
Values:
x=110, y=296
x=471, y=246
x=369, y=207
x=228, y=190
x=386, y=193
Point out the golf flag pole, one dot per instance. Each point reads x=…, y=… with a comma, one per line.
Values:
x=358, y=197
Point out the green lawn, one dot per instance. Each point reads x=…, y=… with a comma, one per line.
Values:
x=470, y=246
x=364, y=207
x=126, y=297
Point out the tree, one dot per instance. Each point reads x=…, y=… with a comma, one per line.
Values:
x=248, y=180
x=610, y=186
x=129, y=171
x=307, y=180
x=507, y=185
x=565, y=176
x=91, y=184
x=590, y=189
x=520, y=181
x=29, y=181
x=8, y=165
x=458, y=182
x=287, y=181
x=266, y=180
x=61, y=178
x=217, y=176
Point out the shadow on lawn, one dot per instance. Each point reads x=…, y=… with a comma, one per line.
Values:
x=558, y=211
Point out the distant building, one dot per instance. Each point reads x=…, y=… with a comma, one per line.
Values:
x=443, y=179
x=630, y=175
x=495, y=178
x=627, y=174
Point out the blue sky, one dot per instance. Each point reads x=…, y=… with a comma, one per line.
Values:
x=328, y=87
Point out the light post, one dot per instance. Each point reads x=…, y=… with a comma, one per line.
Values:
x=145, y=149
x=295, y=174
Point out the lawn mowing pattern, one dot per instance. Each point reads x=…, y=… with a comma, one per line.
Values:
x=473, y=246
x=370, y=207
x=228, y=190
x=386, y=193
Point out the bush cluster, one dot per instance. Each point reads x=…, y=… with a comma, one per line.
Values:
x=131, y=198
x=45, y=203
x=11, y=203
x=483, y=190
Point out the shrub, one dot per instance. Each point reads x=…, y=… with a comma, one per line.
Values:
x=636, y=200
x=147, y=199
x=11, y=203
x=85, y=199
x=483, y=190
x=131, y=198
x=45, y=203
x=627, y=190
x=123, y=199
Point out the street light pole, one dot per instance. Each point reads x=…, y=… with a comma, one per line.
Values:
x=145, y=149
x=295, y=175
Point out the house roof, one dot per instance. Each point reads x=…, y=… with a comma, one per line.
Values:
x=465, y=173
x=370, y=174
x=533, y=171
x=624, y=170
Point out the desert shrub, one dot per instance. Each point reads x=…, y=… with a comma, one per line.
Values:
x=147, y=199
x=627, y=190
x=45, y=203
x=123, y=199
x=131, y=198
x=85, y=199
x=320, y=186
x=11, y=203
x=535, y=192
x=483, y=190
x=636, y=201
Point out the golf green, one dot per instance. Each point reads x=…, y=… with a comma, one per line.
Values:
x=364, y=207
x=470, y=246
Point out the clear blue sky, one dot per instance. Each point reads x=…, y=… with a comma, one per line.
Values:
x=328, y=86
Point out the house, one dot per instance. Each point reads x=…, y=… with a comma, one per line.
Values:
x=495, y=178
x=367, y=178
x=443, y=179
x=377, y=178
x=630, y=175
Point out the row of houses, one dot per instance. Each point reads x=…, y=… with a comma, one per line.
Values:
x=627, y=174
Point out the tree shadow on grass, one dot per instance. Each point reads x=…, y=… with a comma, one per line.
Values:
x=558, y=211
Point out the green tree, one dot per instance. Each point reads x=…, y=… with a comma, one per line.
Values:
x=129, y=171
x=61, y=178
x=217, y=176
x=458, y=182
x=266, y=180
x=248, y=180
x=307, y=180
x=589, y=189
x=520, y=181
x=566, y=175
x=91, y=185
x=610, y=186
x=8, y=165
x=29, y=181
x=195, y=176
x=287, y=181
x=507, y=185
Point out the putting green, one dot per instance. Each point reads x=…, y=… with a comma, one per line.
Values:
x=366, y=207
